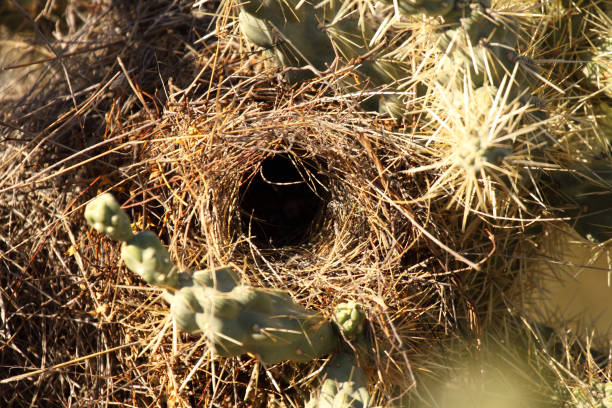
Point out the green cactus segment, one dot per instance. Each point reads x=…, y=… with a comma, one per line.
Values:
x=104, y=215
x=221, y=279
x=598, y=396
x=431, y=8
x=266, y=324
x=146, y=256
x=585, y=196
x=256, y=30
x=185, y=306
x=344, y=385
x=450, y=10
x=312, y=37
x=296, y=33
x=490, y=54
x=350, y=319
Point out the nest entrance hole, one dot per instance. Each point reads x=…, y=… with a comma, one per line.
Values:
x=281, y=203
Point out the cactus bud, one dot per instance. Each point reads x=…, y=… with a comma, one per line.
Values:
x=350, y=318
x=104, y=215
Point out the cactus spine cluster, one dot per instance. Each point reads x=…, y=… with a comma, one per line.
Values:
x=484, y=46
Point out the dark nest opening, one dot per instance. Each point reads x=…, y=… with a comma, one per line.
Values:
x=281, y=203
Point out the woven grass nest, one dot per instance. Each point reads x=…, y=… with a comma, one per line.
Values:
x=203, y=141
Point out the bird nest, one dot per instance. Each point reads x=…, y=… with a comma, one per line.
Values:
x=293, y=185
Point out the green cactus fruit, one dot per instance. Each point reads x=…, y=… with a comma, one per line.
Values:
x=350, y=319
x=598, y=396
x=222, y=279
x=146, y=256
x=344, y=385
x=105, y=216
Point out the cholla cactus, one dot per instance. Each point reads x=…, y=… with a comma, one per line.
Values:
x=604, y=120
x=143, y=254
x=237, y=319
x=484, y=46
x=146, y=256
x=450, y=10
x=344, y=385
x=481, y=148
x=246, y=320
x=598, y=72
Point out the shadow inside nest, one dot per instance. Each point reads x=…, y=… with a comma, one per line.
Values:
x=281, y=204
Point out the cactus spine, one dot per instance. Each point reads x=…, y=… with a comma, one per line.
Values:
x=598, y=71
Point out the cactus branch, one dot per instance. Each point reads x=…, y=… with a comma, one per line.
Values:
x=237, y=319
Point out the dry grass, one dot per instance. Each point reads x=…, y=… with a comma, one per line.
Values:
x=167, y=107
